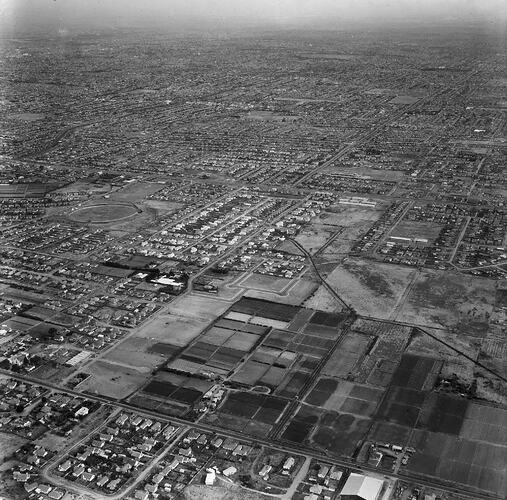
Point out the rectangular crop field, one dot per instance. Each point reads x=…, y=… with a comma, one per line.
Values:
x=265, y=308
x=345, y=397
x=263, y=408
x=413, y=371
x=346, y=355
x=460, y=461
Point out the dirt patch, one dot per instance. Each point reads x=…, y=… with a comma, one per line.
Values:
x=226, y=492
x=198, y=306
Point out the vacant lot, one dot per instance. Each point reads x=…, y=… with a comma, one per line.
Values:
x=453, y=363
x=26, y=117
x=136, y=353
x=172, y=329
x=265, y=282
x=404, y=99
x=136, y=191
x=324, y=301
x=9, y=443
x=113, y=380
x=226, y=491
x=372, y=288
x=295, y=295
x=348, y=216
x=415, y=229
x=162, y=206
x=456, y=301
x=82, y=185
x=314, y=237
x=198, y=306
x=365, y=171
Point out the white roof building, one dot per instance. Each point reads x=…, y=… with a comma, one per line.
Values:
x=209, y=480
x=229, y=471
x=364, y=487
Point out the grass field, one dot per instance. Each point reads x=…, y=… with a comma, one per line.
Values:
x=93, y=421
x=349, y=216
x=20, y=323
x=427, y=346
x=162, y=206
x=172, y=329
x=322, y=300
x=379, y=174
x=39, y=312
x=456, y=301
x=26, y=117
x=350, y=221
x=372, y=288
x=9, y=443
x=135, y=191
x=198, y=306
x=295, y=295
x=415, y=229
x=404, y=99
x=82, y=185
x=265, y=283
x=314, y=237
x=107, y=212
x=136, y=353
x=116, y=381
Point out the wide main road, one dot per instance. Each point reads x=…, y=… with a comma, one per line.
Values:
x=269, y=442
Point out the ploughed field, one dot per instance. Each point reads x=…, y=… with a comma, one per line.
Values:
x=328, y=381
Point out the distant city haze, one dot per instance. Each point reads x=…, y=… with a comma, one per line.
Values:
x=64, y=14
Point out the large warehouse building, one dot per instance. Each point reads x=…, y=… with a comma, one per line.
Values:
x=359, y=487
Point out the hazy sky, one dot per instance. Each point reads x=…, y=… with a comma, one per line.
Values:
x=66, y=13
